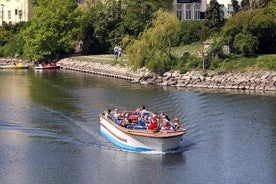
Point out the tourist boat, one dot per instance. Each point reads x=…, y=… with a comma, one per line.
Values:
x=15, y=66
x=46, y=67
x=137, y=138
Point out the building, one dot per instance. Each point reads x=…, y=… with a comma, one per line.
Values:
x=14, y=11
x=190, y=9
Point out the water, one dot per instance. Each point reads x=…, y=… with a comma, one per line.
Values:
x=49, y=132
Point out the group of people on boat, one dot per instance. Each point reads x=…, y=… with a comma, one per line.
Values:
x=143, y=119
x=46, y=64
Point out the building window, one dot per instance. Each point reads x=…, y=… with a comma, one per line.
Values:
x=197, y=12
x=9, y=14
x=20, y=14
x=188, y=11
x=179, y=12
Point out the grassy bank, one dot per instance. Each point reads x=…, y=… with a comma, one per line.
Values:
x=229, y=63
x=233, y=62
x=103, y=59
x=262, y=62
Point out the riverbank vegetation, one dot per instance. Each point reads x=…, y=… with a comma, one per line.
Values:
x=150, y=35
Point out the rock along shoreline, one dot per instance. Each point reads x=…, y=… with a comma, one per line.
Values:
x=255, y=81
x=250, y=80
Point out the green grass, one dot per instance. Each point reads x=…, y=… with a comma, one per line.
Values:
x=239, y=63
x=192, y=48
x=230, y=63
x=103, y=59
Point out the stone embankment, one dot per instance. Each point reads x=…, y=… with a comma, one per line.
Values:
x=115, y=71
x=250, y=80
x=14, y=60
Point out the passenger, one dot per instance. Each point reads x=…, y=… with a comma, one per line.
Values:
x=146, y=120
x=117, y=114
x=126, y=121
x=167, y=117
x=166, y=125
x=176, y=123
x=141, y=108
x=108, y=113
x=153, y=124
x=162, y=114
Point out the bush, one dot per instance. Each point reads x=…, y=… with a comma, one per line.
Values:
x=251, y=32
x=191, y=31
x=246, y=44
x=188, y=62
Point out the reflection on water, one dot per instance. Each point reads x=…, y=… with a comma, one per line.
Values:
x=49, y=132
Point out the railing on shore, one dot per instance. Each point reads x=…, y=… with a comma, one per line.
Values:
x=97, y=73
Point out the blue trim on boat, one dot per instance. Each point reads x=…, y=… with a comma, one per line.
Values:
x=121, y=145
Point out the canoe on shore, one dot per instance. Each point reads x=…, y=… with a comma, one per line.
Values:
x=15, y=66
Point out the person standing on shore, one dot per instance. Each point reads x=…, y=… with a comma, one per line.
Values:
x=116, y=51
x=120, y=51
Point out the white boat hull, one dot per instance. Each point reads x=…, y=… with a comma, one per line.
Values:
x=144, y=140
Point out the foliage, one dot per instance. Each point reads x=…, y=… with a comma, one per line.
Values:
x=272, y=8
x=153, y=48
x=236, y=6
x=251, y=32
x=106, y=24
x=5, y=36
x=213, y=19
x=52, y=30
x=191, y=31
x=139, y=13
x=246, y=44
x=237, y=62
x=14, y=48
x=261, y=3
x=245, y=5
x=11, y=41
x=98, y=25
x=188, y=62
x=192, y=48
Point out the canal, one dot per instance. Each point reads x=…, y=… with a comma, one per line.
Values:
x=49, y=132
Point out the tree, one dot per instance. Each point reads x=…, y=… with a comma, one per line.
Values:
x=153, y=48
x=106, y=24
x=213, y=19
x=100, y=25
x=272, y=8
x=52, y=30
x=251, y=32
x=246, y=44
x=245, y=5
x=236, y=6
x=262, y=3
x=11, y=39
x=191, y=31
x=139, y=13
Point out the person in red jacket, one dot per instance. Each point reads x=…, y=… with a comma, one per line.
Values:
x=153, y=124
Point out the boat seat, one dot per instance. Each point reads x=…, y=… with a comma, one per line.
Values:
x=130, y=127
x=139, y=128
x=141, y=122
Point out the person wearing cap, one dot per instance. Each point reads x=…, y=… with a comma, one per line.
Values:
x=153, y=124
